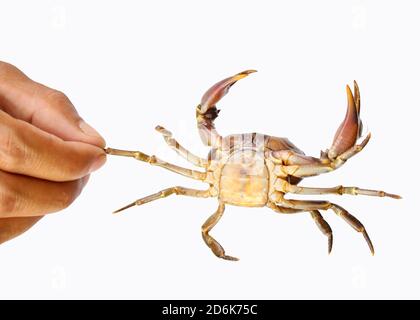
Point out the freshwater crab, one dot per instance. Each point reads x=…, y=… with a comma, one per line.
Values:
x=257, y=170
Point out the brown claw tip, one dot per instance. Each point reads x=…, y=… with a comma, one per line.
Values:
x=394, y=196
x=369, y=242
x=329, y=245
x=118, y=211
x=243, y=74
x=230, y=258
x=163, y=131
x=248, y=71
x=350, y=95
x=366, y=140
x=125, y=207
x=355, y=84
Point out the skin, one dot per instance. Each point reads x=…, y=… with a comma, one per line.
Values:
x=47, y=152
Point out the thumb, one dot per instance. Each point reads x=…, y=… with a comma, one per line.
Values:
x=45, y=108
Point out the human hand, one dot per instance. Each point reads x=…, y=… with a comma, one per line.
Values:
x=46, y=152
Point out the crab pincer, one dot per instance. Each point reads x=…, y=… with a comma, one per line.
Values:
x=351, y=127
x=206, y=111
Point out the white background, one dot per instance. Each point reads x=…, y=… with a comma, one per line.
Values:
x=131, y=65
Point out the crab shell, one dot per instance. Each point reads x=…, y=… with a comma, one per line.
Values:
x=242, y=173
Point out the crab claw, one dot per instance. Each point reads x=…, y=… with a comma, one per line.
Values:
x=206, y=111
x=351, y=127
x=219, y=90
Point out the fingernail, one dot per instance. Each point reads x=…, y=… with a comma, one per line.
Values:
x=99, y=162
x=87, y=129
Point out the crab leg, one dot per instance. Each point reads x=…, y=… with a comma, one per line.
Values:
x=316, y=216
x=284, y=210
x=310, y=205
x=324, y=227
x=187, y=155
x=284, y=186
x=153, y=160
x=165, y=193
x=289, y=157
x=209, y=240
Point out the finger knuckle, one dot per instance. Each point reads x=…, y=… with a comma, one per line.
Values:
x=5, y=68
x=9, y=200
x=66, y=197
x=12, y=151
x=56, y=97
x=9, y=72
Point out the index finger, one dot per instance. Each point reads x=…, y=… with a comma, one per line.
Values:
x=45, y=108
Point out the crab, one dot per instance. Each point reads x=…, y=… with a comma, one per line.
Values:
x=258, y=170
